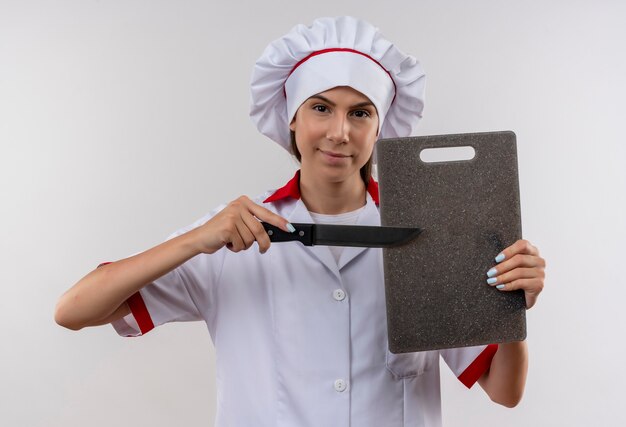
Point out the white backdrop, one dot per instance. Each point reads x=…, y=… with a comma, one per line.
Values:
x=121, y=121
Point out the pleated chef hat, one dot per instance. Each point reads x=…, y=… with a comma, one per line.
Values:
x=343, y=51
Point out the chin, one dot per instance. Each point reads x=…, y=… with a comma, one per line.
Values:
x=339, y=174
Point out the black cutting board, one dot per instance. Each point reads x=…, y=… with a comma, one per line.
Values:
x=435, y=287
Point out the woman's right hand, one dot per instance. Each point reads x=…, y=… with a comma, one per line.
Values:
x=237, y=227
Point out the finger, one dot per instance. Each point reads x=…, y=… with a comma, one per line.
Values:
x=234, y=241
x=244, y=232
x=520, y=247
x=516, y=261
x=531, y=287
x=516, y=274
x=268, y=216
x=260, y=235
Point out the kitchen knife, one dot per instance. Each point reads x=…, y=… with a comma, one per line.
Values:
x=344, y=235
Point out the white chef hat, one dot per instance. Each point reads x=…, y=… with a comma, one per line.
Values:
x=343, y=51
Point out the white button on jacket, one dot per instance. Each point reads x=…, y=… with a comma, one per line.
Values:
x=340, y=385
x=339, y=295
x=287, y=354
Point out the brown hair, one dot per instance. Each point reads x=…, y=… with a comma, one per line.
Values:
x=366, y=170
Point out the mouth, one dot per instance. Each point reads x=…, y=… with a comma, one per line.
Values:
x=335, y=155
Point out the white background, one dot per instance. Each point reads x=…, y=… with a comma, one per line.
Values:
x=122, y=121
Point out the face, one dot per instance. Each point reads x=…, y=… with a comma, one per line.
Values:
x=335, y=133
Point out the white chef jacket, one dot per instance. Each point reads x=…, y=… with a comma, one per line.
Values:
x=301, y=339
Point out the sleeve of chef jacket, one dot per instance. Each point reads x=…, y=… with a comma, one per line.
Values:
x=469, y=363
x=184, y=294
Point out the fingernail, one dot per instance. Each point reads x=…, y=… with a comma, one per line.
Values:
x=500, y=257
x=492, y=272
x=492, y=281
x=290, y=227
x=500, y=286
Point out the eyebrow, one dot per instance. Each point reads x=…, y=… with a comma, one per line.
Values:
x=332, y=104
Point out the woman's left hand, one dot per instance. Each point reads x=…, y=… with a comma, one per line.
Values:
x=519, y=267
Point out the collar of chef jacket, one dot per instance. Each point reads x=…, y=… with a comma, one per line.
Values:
x=292, y=190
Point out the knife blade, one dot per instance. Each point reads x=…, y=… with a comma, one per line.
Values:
x=363, y=236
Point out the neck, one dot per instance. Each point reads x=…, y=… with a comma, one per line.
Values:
x=332, y=198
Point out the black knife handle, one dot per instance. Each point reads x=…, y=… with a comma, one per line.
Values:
x=303, y=233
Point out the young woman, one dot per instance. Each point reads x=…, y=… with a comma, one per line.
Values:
x=300, y=332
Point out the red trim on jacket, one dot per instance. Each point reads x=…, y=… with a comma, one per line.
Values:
x=292, y=190
x=479, y=366
x=140, y=312
x=138, y=309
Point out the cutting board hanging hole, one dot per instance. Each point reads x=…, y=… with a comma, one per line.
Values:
x=447, y=154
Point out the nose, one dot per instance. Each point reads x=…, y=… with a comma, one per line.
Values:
x=338, y=129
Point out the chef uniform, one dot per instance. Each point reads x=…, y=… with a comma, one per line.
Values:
x=300, y=335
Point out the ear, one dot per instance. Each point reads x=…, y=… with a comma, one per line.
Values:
x=292, y=125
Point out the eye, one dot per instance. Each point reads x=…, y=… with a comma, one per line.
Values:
x=320, y=108
x=361, y=113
